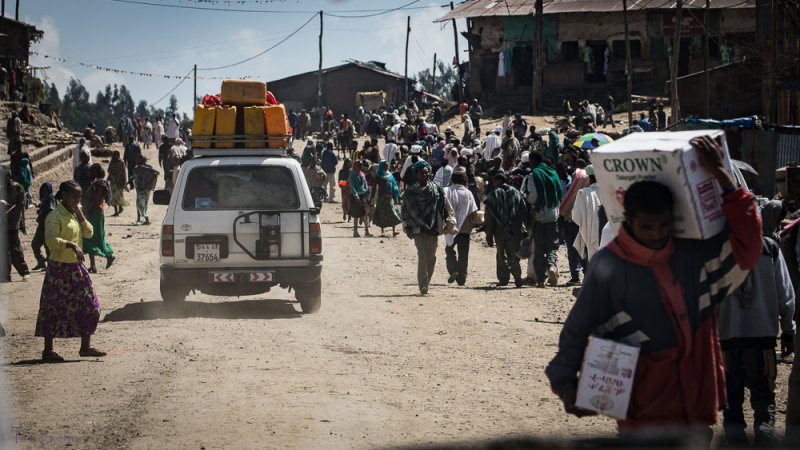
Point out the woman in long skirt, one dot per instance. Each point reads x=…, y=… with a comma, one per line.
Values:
x=68, y=306
x=388, y=196
x=118, y=182
x=99, y=194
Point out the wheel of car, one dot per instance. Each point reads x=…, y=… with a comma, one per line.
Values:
x=171, y=292
x=309, y=295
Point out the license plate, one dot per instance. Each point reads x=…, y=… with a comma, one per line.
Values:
x=206, y=253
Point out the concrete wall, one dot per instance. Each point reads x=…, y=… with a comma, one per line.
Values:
x=650, y=71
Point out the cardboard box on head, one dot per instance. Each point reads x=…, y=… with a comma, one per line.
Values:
x=668, y=158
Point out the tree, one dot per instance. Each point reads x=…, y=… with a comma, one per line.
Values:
x=52, y=96
x=124, y=105
x=142, y=110
x=173, y=106
x=445, y=79
x=76, y=112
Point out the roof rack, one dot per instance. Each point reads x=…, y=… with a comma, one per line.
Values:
x=241, y=145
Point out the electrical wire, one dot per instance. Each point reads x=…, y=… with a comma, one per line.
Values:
x=376, y=12
x=213, y=47
x=265, y=51
x=185, y=77
x=341, y=16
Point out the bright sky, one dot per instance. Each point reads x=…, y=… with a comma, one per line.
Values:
x=167, y=37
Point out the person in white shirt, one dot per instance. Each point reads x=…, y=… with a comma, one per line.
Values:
x=457, y=245
x=173, y=128
x=492, y=144
x=584, y=214
x=158, y=131
x=76, y=153
x=443, y=174
x=390, y=151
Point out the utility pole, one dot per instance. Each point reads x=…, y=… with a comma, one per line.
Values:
x=16, y=14
x=319, y=74
x=408, y=33
x=538, y=59
x=460, y=90
x=676, y=53
x=195, y=90
x=433, y=79
x=3, y=11
x=705, y=62
x=628, y=64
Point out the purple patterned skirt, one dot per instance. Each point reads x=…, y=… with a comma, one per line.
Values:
x=68, y=306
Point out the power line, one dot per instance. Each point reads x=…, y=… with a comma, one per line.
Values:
x=185, y=77
x=313, y=16
x=370, y=12
x=373, y=14
x=212, y=47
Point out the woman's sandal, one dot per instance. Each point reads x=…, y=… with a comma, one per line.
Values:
x=51, y=356
x=91, y=351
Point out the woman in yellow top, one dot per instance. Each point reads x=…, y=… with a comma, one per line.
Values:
x=68, y=306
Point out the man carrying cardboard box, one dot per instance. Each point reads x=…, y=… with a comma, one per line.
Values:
x=651, y=289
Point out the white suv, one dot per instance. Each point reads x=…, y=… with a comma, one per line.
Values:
x=238, y=223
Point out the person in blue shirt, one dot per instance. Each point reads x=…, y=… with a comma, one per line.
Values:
x=329, y=162
x=644, y=123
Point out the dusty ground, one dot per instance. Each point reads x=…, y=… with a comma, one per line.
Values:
x=378, y=366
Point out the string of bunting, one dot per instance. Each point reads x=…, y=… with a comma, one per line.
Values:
x=129, y=72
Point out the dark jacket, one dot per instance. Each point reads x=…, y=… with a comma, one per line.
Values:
x=665, y=302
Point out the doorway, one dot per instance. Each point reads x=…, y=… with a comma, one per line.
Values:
x=594, y=60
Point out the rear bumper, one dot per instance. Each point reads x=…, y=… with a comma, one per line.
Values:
x=196, y=278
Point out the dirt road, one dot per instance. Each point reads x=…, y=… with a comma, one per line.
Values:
x=378, y=366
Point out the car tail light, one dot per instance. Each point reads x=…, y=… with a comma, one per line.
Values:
x=167, y=240
x=315, y=238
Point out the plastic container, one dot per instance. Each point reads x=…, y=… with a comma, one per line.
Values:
x=277, y=125
x=254, y=123
x=244, y=92
x=203, y=124
x=225, y=125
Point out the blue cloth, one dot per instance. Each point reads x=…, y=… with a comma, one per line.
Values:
x=391, y=184
x=420, y=164
x=329, y=161
x=645, y=124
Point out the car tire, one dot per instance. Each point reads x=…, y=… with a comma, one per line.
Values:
x=172, y=293
x=309, y=295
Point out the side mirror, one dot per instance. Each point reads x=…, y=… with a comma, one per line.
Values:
x=161, y=197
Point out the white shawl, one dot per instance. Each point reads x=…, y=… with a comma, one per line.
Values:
x=463, y=204
x=584, y=214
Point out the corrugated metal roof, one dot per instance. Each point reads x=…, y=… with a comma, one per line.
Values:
x=488, y=8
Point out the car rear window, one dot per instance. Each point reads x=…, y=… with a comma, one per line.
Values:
x=240, y=187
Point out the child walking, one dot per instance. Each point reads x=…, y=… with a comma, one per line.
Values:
x=99, y=195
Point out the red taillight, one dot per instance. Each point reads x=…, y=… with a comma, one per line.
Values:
x=315, y=238
x=167, y=240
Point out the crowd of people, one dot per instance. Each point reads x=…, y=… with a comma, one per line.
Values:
x=706, y=311
x=71, y=226
x=688, y=305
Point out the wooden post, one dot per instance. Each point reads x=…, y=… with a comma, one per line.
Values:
x=319, y=74
x=628, y=64
x=459, y=91
x=408, y=33
x=16, y=13
x=3, y=11
x=705, y=62
x=433, y=78
x=772, y=111
x=676, y=53
x=538, y=59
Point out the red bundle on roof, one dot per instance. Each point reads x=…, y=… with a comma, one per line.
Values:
x=212, y=100
x=271, y=99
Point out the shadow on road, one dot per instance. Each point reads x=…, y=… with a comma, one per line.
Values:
x=244, y=309
x=33, y=362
